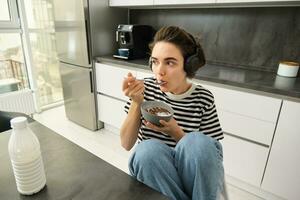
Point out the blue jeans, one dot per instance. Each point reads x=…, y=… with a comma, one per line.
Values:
x=192, y=170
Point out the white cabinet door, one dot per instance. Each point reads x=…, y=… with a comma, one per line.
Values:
x=247, y=127
x=130, y=2
x=247, y=104
x=244, y=160
x=182, y=2
x=282, y=175
x=250, y=1
x=110, y=78
x=111, y=111
x=246, y=115
x=144, y=74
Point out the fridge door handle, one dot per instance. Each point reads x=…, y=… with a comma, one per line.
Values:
x=87, y=40
x=91, y=82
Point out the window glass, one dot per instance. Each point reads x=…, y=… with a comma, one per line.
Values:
x=13, y=74
x=4, y=11
x=41, y=30
x=46, y=67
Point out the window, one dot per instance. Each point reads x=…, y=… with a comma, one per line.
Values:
x=4, y=11
x=37, y=32
x=13, y=73
x=40, y=23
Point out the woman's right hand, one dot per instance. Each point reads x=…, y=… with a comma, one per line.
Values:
x=133, y=88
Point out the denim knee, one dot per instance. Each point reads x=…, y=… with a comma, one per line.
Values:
x=148, y=150
x=196, y=145
x=146, y=155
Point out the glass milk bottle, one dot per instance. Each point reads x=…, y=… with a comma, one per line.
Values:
x=25, y=155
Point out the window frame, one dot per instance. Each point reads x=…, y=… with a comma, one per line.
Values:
x=14, y=22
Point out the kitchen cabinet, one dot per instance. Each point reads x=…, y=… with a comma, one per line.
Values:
x=142, y=74
x=109, y=80
x=177, y=3
x=246, y=115
x=282, y=176
x=253, y=1
x=110, y=97
x=249, y=121
x=244, y=160
x=111, y=110
x=130, y=2
x=182, y=2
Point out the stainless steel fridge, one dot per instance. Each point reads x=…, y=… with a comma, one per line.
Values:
x=84, y=29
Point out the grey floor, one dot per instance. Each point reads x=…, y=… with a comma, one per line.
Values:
x=106, y=144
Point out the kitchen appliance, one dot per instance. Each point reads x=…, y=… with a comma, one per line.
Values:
x=84, y=29
x=133, y=40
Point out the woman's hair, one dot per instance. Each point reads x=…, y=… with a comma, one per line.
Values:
x=190, y=47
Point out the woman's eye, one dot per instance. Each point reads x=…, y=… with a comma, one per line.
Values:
x=171, y=63
x=154, y=62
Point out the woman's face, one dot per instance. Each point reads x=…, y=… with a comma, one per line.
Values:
x=167, y=65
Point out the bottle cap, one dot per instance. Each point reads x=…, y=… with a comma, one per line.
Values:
x=18, y=122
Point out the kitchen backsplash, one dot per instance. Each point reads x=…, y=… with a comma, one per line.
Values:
x=256, y=38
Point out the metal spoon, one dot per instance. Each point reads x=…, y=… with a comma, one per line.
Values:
x=156, y=82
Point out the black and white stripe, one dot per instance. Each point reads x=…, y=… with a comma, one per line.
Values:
x=194, y=111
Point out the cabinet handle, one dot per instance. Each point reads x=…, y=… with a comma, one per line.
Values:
x=91, y=82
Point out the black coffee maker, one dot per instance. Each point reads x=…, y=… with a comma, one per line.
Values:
x=133, y=41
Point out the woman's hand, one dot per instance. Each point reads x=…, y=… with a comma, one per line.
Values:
x=171, y=128
x=133, y=88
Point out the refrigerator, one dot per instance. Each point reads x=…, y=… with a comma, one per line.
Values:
x=84, y=29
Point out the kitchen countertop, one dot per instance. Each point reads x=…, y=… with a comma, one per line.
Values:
x=72, y=173
x=261, y=82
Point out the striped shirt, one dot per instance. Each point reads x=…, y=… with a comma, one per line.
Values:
x=194, y=110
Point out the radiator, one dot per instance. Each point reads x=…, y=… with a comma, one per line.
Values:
x=18, y=101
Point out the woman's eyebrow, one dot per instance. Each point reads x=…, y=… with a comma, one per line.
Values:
x=171, y=58
x=167, y=59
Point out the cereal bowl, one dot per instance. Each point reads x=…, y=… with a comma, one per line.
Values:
x=153, y=111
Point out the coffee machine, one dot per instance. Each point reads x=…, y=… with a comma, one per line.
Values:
x=133, y=41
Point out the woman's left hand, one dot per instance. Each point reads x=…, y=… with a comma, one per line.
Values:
x=171, y=128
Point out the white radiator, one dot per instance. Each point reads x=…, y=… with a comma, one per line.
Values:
x=18, y=101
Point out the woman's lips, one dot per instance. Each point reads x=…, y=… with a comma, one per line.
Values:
x=160, y=82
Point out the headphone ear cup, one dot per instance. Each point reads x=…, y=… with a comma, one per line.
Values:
x=192, y=63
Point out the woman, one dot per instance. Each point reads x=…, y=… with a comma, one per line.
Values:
x=182, y=158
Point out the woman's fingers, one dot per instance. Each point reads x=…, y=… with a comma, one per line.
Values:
x=128, y=81
x=150, y=125
x=134, y=88
x=137, y=90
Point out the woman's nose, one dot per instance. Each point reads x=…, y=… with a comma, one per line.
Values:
x=161, y=70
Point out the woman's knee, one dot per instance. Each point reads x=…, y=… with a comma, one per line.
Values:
x=196, y=145
x=147, y=151
x=195, y=139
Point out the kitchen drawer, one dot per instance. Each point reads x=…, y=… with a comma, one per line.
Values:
x=247, y=127
x=245, y=114
x=110, y=78
x=144, y=74
x=244, y=160
x=183, y=2
x=247, y=104
x=111, y=111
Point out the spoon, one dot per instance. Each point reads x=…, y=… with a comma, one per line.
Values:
x=156, y=82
